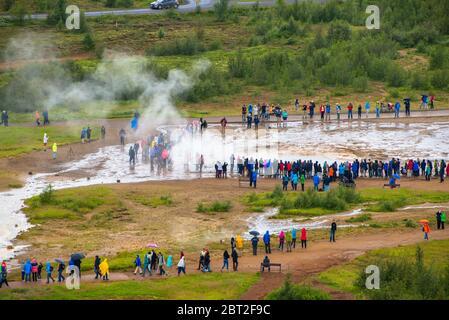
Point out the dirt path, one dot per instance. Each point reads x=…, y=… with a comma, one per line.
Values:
x=300, y=263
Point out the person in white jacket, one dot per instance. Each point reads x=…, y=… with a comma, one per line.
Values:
x=45, y=141
x=182, y=264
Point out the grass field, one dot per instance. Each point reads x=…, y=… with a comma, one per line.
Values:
x=190, y=287
x=19, y=140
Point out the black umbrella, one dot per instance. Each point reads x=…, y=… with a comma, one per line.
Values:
x=59, y=260
x=77, y=256
x=254, y=233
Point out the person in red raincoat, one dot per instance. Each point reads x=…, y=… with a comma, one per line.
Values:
x=304, y=238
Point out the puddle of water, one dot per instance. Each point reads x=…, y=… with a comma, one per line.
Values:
x=261, y=222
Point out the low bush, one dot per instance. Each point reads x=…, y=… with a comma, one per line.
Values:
x=216, y=206
x=290, y=291
x=360, y=218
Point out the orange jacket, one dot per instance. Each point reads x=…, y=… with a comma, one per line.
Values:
x=426, y=228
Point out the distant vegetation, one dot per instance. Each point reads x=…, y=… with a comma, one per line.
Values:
x=301, y=47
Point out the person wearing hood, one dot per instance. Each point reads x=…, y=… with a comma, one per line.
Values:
x=169, y=262
x=438, y=217
x=54, y=149
x=225, y=260
x=61, y=267
x=49, y=270
x=254, y=243
x=443, y=219
x=97, y=267
x=146, y=264
x=27, y=269
x=303, y=181
x=266, y=241
x=426, y=230
x=34, y=269
x=235, y=259
x=45, y=141
x=138, y=265
x=253, y=179
x=333, y=231
x=4, y=274
x=294, y=237
x=161, y=262
x=281, y=240
x=132, y=156
x=304, y=238
x=182, y=264
x=104, y=269
x=316, y=181
x=239, y=242
x=288, y=238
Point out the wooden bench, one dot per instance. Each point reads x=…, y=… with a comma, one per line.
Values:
x=244, y=181
x=392, y=186
x=262, y=266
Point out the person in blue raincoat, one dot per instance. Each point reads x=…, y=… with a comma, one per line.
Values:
x=294, y=237
x=27, y=269
x=253, y=179
x=316, y=181
x=294, y=179
x=169, y=262
x=367, y=107
x=138, y=264
x=266, y=241
x=397, y=108
x=49, y=270
x=134, y=123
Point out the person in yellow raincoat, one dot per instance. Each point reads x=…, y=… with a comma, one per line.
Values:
x=239, y=242
x=54, y=149
x=104, y=269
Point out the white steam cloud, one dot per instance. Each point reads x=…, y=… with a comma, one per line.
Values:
x=116, y=76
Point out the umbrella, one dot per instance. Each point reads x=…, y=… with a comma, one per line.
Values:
x=59, y=260
x=254, y=233
x=423, y=221
x=396, y=176
x=77, y=256
x=152, y=245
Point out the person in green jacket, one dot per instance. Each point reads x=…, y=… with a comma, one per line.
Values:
x=303, y=180
x=443, y=219
x=288, y=238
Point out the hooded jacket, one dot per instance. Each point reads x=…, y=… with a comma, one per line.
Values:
x=266, y=238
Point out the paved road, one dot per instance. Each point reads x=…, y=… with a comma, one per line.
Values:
x=188, y=7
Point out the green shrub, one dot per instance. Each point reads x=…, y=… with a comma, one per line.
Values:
x=187, y=46
x=290, y=291
x=411, y=224
x=216, y=206
x=221, y=10
x=360, y=218
x=46, y=196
